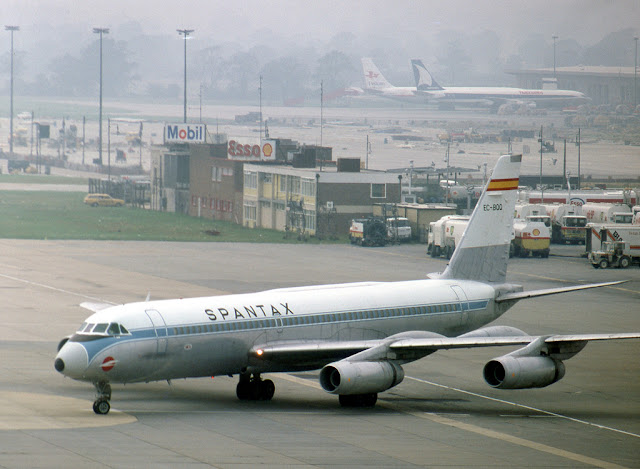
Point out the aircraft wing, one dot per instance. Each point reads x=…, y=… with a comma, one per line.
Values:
x=551, y=291
x=307, y=354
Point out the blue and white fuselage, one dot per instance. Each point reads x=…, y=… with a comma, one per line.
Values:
x=159, y=340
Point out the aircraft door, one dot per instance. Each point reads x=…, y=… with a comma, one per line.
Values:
x=160, y=328
x=464, y=303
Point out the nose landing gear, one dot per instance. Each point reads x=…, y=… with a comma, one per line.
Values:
x=101, y=405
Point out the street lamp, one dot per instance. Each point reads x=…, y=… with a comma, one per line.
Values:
x=100, y=31
x=554, y=55
x=186, y=33
x=635, y=76
x=12, y=29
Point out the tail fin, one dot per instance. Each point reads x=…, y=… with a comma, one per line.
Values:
x=484, y=248
x=424, y=80
x=373, y=79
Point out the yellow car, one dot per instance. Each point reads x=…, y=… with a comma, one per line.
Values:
x=103, y=200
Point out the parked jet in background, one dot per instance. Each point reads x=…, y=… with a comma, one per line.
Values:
x=376, y=85
x=358, y=334
x=490, y=96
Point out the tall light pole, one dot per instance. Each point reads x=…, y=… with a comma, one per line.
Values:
x=635, y=76
x=185, y=33
x=100, y=31
x=554, y=37
x=12, y=29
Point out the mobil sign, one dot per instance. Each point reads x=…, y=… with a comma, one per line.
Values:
x=185, y=133
x=248, y=149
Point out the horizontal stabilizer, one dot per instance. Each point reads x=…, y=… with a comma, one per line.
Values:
x=552, y=291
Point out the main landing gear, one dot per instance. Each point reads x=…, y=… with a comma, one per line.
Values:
x=358, y=400
x=253, y=388
x=101, y=405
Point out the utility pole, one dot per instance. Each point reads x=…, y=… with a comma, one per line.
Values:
x=541, y=143
x=322, y=110
x=554, y=37
x=100, y=31
x=260, y=94
x=635, y=77
x=11, y=29
x=186, y=33
x=578, y=143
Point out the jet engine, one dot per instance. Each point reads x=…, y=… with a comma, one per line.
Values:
x=521, y=372
x=345, y=377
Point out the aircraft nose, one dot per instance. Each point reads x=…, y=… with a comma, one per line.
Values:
x=72, y=360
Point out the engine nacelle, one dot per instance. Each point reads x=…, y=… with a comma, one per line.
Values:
x=513, y=372
x=345, y=377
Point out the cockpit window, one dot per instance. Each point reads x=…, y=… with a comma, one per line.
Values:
x=100, y=328
x=114, y=329
x=123, y=329
x=88, y=328
x=81, y=328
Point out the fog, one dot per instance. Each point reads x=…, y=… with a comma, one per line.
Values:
x=296, y=44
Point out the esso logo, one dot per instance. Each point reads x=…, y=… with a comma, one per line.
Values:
x=238, y=149
x=536, y=232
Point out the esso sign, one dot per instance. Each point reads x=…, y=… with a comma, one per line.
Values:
x=238, y=149
x=243, y=150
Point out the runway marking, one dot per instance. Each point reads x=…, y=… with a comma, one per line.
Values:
x=439, y=418
x=523, y=406
x=42, y=285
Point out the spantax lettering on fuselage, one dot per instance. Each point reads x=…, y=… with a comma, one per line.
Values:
x=247, y=312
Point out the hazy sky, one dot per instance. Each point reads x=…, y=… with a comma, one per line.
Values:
x=585, y=20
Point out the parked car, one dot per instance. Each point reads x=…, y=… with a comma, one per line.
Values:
x=102, y=200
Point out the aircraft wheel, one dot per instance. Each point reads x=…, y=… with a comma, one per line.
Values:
x=101, y=406
x=267, y=389
x=243, y=390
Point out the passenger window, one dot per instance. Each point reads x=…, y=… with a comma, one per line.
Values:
x=114, y=329
x=100, y=328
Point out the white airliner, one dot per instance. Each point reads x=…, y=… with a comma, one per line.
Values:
x=493, y=96
x=358, y=334
x=376, y=85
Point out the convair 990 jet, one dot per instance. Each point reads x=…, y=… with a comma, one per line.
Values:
x=490, y=95
x=358, y=334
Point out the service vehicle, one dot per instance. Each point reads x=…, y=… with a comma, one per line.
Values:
x=598, y=233
x=368, y=232
x=607, y=213
x=445, y=234
x=568, y=225
x=530, y=237
x=398, y=229
x=612, y=254
x=102, y=200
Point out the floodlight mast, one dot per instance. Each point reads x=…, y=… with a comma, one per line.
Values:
x=100, y=31
x=185, y=33
x=12, y=29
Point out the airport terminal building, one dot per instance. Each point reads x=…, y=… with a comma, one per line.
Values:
x=604, y=85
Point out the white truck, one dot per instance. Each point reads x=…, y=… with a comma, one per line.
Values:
x=530, y=237
x=444, y=235
x=607, y=213
x=598, y=233
x=398, y=229
x=568, y=224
